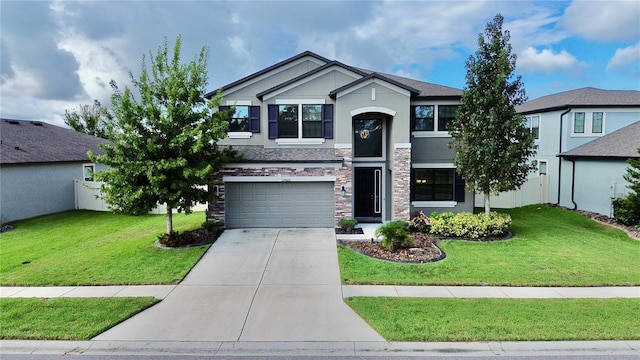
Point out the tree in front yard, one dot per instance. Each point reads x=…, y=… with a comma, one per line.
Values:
x=627, y=209
x=166, y=146
x=493, y=145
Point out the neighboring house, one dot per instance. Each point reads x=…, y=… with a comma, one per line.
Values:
x=324, y=140
x=565, y=121
x=595, y=176
x=38, y=165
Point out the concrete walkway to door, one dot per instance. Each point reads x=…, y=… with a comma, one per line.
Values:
x=255, y=285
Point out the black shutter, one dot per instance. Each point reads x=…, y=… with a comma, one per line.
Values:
x=412, y=118
x=223, y=108
x=327, y=121
x=273, y=121
x=459, y=188
x=254, y=118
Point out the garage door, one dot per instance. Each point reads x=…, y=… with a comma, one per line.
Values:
x=281, y=204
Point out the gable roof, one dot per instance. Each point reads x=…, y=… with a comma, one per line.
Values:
x=23, y=142
x=622, y=143
x=584, y=97
x=416, y=87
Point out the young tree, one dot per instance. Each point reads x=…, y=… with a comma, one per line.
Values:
x=167, y=145
x=627, y=209
x=493, y=145
x=90, y=119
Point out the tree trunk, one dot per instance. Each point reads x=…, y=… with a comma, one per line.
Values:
x=169, y=220
x=487, y=205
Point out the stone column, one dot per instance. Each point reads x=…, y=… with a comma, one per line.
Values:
x=344, y=175
x=401, y=178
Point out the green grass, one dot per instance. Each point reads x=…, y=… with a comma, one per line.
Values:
x=550, y=247
x=65, y=318
x=94, y=248
x=439, y=319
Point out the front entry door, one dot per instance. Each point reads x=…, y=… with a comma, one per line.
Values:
x=368, y=194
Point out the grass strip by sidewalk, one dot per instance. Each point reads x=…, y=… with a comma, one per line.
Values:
x=444, y=319
x=550, y=247
x=65, y=318
x=94, y=248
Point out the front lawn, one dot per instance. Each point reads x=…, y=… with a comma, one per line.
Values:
x=65, y=318
x=438, y=319
x=550, y=247
x=94, y=248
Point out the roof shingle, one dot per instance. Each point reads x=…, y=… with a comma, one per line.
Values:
x=584, y=97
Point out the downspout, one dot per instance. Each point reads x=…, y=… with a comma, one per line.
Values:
x=573, y=182
x=559, y=152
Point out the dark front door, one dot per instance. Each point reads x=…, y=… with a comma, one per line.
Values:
x=368, y=194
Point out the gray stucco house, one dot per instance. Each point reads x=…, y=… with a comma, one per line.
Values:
x=38, y=165
x=584, y=137
x=323, y=140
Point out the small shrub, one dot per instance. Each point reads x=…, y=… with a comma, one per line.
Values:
x=470, y=226
x=626, y=211
x=394, y=235
x=419, y=223
x=175, y=239
x=347, y=224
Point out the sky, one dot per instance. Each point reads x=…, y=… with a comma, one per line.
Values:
x=55, y=56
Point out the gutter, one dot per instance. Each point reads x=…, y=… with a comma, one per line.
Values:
x=573, y=183
x=560, y=152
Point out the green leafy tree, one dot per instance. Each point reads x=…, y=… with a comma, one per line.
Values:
x=627, y=209
x=91, y=119
x=493, y=145
x=166, y=148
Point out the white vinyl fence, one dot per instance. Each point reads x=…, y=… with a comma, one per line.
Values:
x=534, y=191
x=89, y=197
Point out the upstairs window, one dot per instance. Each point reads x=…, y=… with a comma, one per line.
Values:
x=578, y=123
x=311, y=121
x=301, y=121
x=288, y=121
x=596, y=122
x=423, y=117
x=533, y=124
x=244, y=119
x=446, y=113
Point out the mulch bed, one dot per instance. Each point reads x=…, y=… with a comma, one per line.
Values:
x=197, y=237
x=423, y=252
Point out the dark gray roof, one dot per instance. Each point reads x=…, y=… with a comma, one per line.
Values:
x=257, y=153
x=23, y=141
x=375, y=76
x=424, y=89
x=622, y=143
x=584, y=97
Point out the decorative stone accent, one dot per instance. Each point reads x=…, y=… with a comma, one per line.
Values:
x=401, y=179
x=344, y=204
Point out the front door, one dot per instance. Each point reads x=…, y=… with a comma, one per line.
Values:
x=368, y=194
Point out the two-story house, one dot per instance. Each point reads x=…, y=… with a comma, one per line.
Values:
x=323, y=140
x=584, y=124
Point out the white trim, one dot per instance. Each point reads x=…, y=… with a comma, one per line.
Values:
x=430, y=134
x=402, y=146
x=300, y=141
x=238, y=103
x=369, y=82
x=434, y=204
x=343, y=146
x=277, y=178
x=283, y=165
x=433, y=165
x=373, y=94
x=239, y=135
x=372, y=109
x=308, y=79
x=93, y=170
x=300, y=101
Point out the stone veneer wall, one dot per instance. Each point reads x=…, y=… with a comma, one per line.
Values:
x=401, y=183
x=342, y=174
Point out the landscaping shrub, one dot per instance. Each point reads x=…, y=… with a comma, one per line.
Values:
x=175, y=239
x=470, y=226
x=419, y=223
x=627, y=211
x=394, y=235
x=347, y=224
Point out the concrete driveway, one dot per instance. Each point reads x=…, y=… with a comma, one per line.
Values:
x=256, y=285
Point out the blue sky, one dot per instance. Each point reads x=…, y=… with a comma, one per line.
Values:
x=57, y=55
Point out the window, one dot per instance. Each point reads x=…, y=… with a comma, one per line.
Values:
x=542, y=167
x=423, y=118
x=437, y=184
x=300, y=121
x=578, y=123
x=533, y=124
x=446, y=113
x=596, y=123
x=88, y=170
x=367, y=141
x=245, y=119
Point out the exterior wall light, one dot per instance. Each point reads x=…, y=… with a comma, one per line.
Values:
x=343, y=191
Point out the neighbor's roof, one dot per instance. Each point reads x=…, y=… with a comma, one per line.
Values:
x=418, y=88
x=622, y=143
x=584, y=97
x=23, y=141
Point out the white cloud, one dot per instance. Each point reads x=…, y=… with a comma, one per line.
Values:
x=546, y=60
x=603, y=20
x=628, y=57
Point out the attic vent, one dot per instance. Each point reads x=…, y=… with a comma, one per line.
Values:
x=36, y=123
x=12, y=122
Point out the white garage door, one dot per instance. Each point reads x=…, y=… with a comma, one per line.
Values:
x=282, y=204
